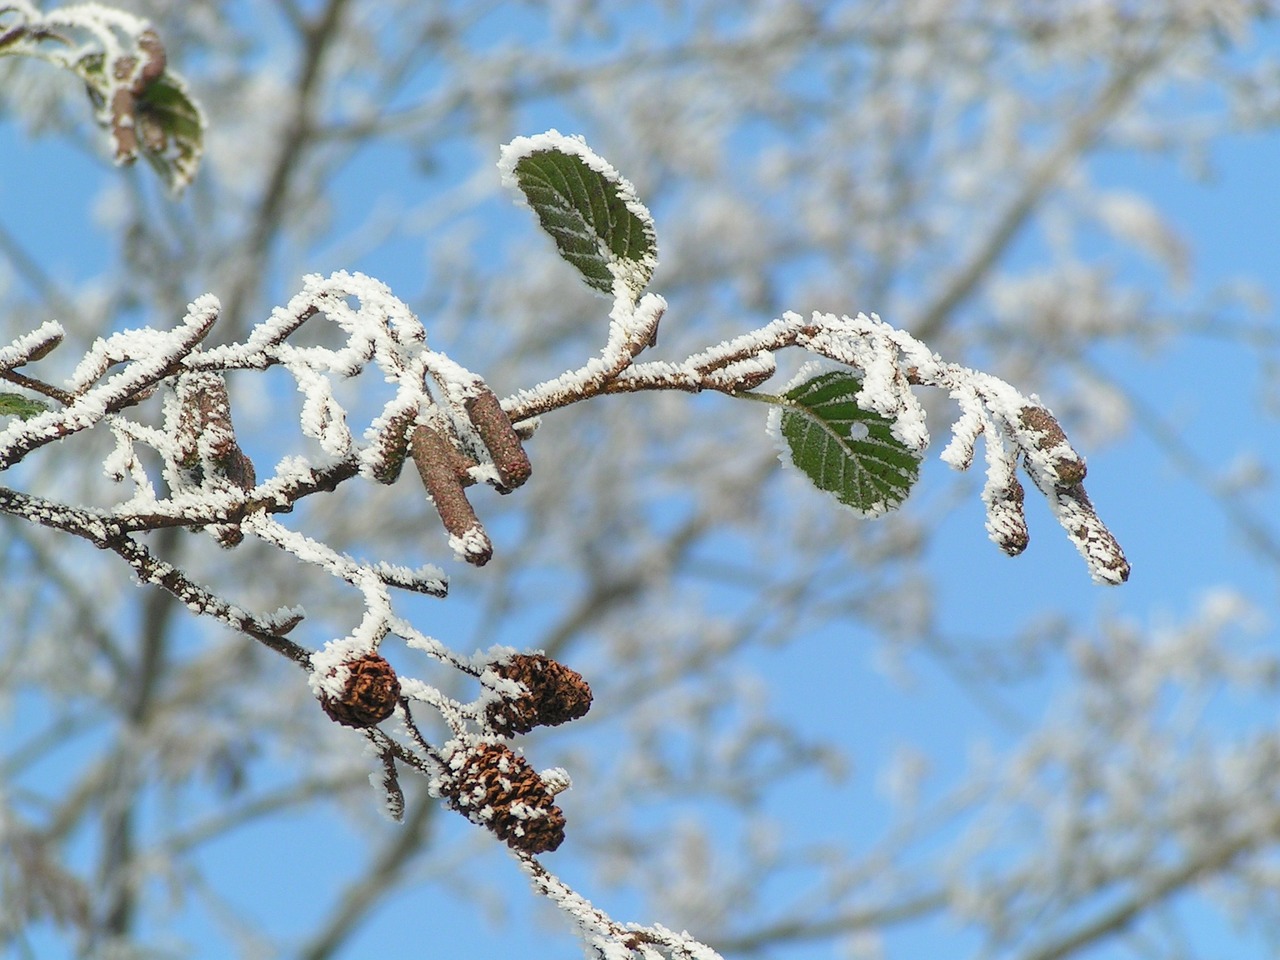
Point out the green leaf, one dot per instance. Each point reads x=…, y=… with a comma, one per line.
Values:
x=591, y=211
x=171, y=130
x=844, y=450
x=16, y=405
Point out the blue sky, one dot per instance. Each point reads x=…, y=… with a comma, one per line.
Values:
x=1178, y=539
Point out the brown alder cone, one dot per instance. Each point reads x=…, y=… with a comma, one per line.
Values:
x=497, y=789
x=554, y=695
x=370, y=695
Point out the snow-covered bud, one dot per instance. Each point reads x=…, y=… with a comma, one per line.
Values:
x=525, y=429
x=1006, y=521
x=32, y=347
x=369, y=693
x=391, y=446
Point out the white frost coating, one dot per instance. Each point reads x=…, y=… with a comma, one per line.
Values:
x=323, y=418
x=289, y=470
x=495, y=653
x=758, y=368
x=107, y=25
x=892, y=362
x=635, y=324
x=661, y=373
x=570, y=382
x=283, y=615
x=494, y=689
x=380, y=329
x=883, y=354
x=123, y=463
x=484, y=473
x=328, y=671
x=472, y=542
x=152, y=352
x=148, y=348
x=451, y=711
x=1005, y=522
x=959, y=452
x=391, y=806
x=427, y=574
x=456, y=382
x=631, y=329
x=556, y=780
x=1090, y=537
x=111, y=51
x=20, y=351
x=97, y=19
x=371, y=580
x=418, y=640
x=771, y=332
x=605, y=937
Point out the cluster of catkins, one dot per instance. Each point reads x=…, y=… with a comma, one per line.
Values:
x=487, y=782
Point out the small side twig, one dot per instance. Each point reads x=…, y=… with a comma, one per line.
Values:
x=106, y=535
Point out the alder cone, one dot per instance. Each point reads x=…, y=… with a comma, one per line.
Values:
x=497, y=789
x=370, y=695
x=554, y=694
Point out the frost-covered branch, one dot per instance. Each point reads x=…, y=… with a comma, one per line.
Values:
x=857, y=432
x=209, y=480
x=1018, y=429
x=104, y=534
x=601, y=228
x=606, y=938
